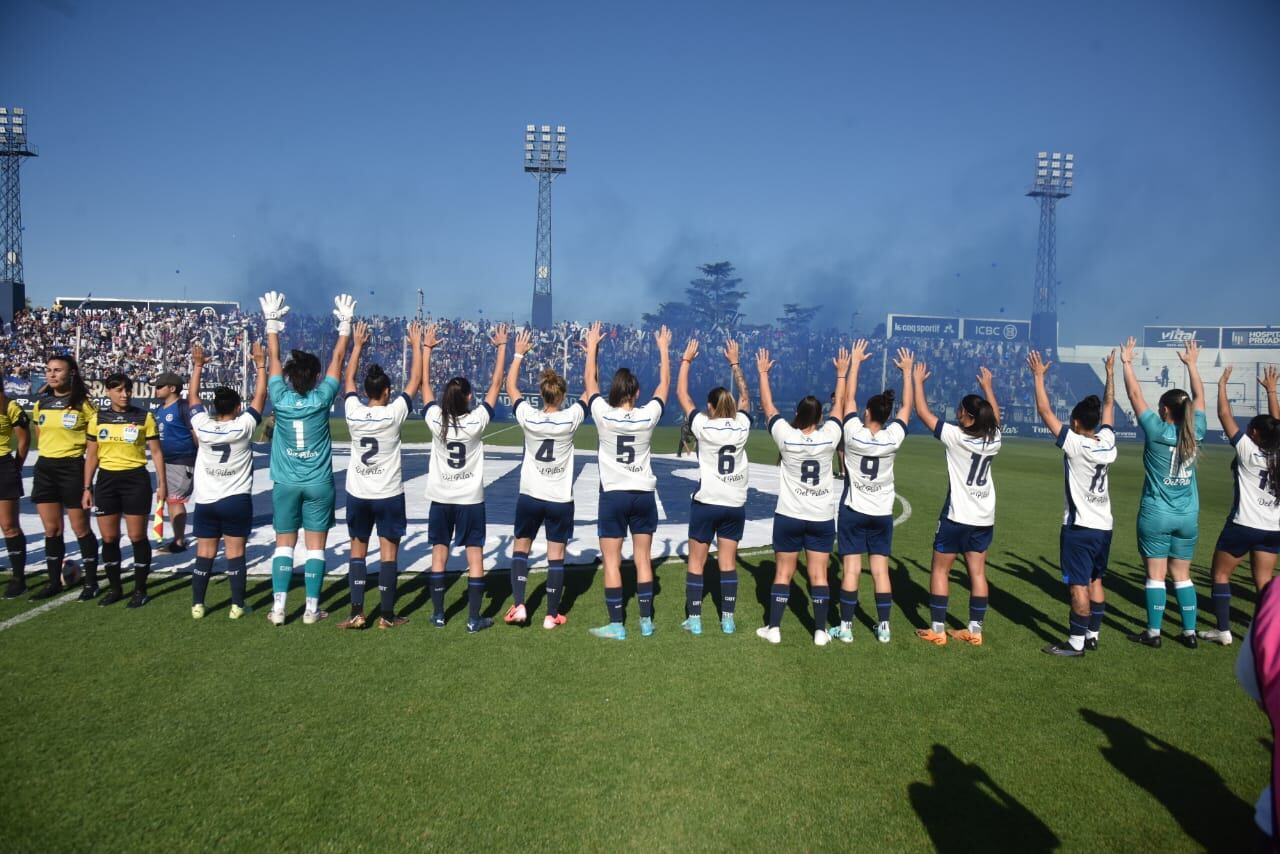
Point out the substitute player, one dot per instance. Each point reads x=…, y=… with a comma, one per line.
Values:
x=865, y=524
x=968, y=517
x=178, y=443
x=627, y=482
x=375, y=480
x=546, y=482
x=302, y=494
x=1253, y=526
x=806, y=515
x=718, y=506
x=455, y=480
x=1088, y=446
x=1169, y=513
x=222, y=486
x=119, y=437
x=15, y=441
x=61, y=416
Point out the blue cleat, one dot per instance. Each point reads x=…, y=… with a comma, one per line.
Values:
x=437, y=620
x=479, y=624
x=646, y=626
x=693, y=626
x=726, y=624
x=613, y=631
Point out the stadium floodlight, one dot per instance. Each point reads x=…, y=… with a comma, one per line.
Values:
x=545, y=149
x=1054, y=180
x=544, y=156
x=13, y=150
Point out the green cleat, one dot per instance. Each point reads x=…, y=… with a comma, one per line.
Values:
x=646, y=626
x=842, y=632
x=197, y=612
x=693, y=625
x=237, y=612
x=613, y=631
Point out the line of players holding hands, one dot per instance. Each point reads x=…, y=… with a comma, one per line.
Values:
x=96, y=458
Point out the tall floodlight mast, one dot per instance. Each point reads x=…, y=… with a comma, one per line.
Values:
x=13, y=150
x=544, y=156
x=1055, y=178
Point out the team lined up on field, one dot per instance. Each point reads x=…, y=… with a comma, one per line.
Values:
x=96, y=458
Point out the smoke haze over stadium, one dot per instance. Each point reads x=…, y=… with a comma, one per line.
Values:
x=866, y=159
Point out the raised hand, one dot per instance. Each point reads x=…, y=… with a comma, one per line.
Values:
x=361, y=334
x=594, y=335
x=731, y=351
x=415, y=335
x=859, y=353
x=259, y=357
x=1269, y=378
x=1036, y=365
x=763, y=363
x=921, y=372
x=1189, y=353
x=344, y=309
x=197, y=355
x=499, y=338
x=905, y=360
x=430, y=340
x=1110, y=363
x=985, y=376
x=1225, y=375
x=524, y=342
x=690, y=350
x=1126, y=350
x=663, y=337
x=841, y=361
x=273, y=311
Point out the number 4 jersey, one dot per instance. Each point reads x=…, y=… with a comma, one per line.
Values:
x=971, y=490
x=546, y=473
x=224, y=455
x=375, y=471
x=456, y=475
x=1086, y=462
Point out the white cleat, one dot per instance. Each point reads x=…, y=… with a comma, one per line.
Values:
x=1215, y=636
x=821, y=638
x=882, y=633
x=310, y=618
x=197, y=612
x=770, y=633
x=275, y=618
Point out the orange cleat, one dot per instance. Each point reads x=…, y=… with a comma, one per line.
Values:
x=966, y=636
x=935, y=638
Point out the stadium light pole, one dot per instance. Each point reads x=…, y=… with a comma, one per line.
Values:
x=544, y=157
x=14, y=148
x=1054, y=181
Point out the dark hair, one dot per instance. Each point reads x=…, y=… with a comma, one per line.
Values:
x=376, y=382
x=1088, y=413
x=984, y=424
x=880, y=407
x=302, y=371
x=453, y=403
x=624, y=387
x=225, y=400
x=75, y=380
x=1265, y=432
x=553, y=387
x=1179, y=408
x=119, y=380
x=808, y=413
x=722, y=403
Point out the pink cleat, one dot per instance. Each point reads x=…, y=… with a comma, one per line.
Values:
x=516, y=614
x=550, y=622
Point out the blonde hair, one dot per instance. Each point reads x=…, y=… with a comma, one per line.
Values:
x=722, y=403
x=553, y=388
x=1180, y=409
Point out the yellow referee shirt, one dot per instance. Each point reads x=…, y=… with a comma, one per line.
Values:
x=122, y=437
x=61, y=428
x=11, y=417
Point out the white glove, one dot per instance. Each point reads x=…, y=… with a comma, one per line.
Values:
x=274, y=310
x=345, y=310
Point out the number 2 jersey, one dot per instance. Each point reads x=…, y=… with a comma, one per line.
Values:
x=456, y=475
x=722, y=458
x=806, y=487
x=1255, y=505
x=375, y=470
x=626, y=437
x=971, y=489
x=224, y=455
x=868, y=465
x=546, y=472
x=301, y=449
x=1086, y=462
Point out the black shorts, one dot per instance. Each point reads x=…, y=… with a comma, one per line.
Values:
x=127, y=492
x=10, y=479
x=58, y=481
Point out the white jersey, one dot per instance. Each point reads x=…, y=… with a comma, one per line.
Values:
x=722, y=458
x=807, y=486
x=1255, y=505
x=456, y=475
x=224, y=456
x=868, y=465
x=625, y=439
x=1085, y=463
x=546, y=472
x=374, y=471
x=971, y=492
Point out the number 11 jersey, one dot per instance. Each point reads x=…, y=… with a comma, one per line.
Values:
x=375, y=470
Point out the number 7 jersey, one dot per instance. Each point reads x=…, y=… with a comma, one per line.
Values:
x=375, y=469
x=1086, y=462
x=224, y=455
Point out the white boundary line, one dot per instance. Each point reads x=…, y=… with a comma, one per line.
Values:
x=37, y=611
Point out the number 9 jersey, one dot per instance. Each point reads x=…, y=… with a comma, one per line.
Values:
x=456, y=475
x=375, y=470
x=806, y=490
x=971, y=489
x=868, y=466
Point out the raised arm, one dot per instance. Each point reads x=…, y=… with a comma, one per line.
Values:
x=841, y=362
x=260, y=384
x=732, y=355
x=663, y=337
x=1109, y=392
x=1229, y=425
x=359, y=339
x=682, y=381
x=274, y=310
x=920, y=373
x=499, y=340
x=1189, y=356
x=430, y=341
x=590, y=375
x=524, y=343
x=763, y=366
x=344, y=310
x=1268, y=381
x=857, y=356
x=906, y=360
x=985, y=382
x=1039, y=368
x=415, y=359
x=1131, y=386
x=197, y=368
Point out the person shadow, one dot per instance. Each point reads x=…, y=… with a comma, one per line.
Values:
x=1188, y=787
x=963, y=809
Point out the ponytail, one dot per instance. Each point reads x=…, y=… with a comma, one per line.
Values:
x=880, y=407
x=376, y=382
x=808, y=413
x=457, y=392
x=1265, y=433
x=984, y=424
x=722, y=403
x=553, y=387
x=1180, y=409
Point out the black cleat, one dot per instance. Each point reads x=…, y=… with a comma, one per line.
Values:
x=47, y=592
x=1146, y=639
x=89, y=591
x=15, y=588
x=1189, y=640
x=111, y=597
x=1091, y=644
x=1065, y=650
x=138, y=599
x=176, y=547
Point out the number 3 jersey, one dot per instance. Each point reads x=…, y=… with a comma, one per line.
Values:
x=546, y=473
x=456, y=475
x=971, y=490
x=1085, y=463
x=868, y=465
x=806, y=486
x=722, y=458
x=625, y=439
x=375, y=471
x=224, y=455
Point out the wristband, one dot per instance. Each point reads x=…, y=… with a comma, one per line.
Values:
x=517, y=357
x=733, y=364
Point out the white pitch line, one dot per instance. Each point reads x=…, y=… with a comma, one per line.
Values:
x=37, y=611
x=499, y=432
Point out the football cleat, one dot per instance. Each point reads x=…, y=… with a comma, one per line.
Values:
x=275, y=618
x=437, y=619
x=692, y=625
x=821, y=638
x=1188, y=640
x=727, y=625
x=516, y=614
x=550, y=622
x=137, y=600
x=355, y=621
x=1091, y=644
x=197, y=612
x=111, y=597
x=842, y=632
x=50, y=590
x=479, y=624
x=394, y=622
x=935, y=638
x=1146, y=638
x=971, y=638
x=310, y=618
x=772, y=634
x=15, y=588
x=1221, y=637
x=89, y=591
x=612, y=631
x=1064, y=650
x=176, y=547
x=646, y=626
x=882, y=633
x=236, y=612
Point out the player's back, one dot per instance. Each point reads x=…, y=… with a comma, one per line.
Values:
x=806, y=488
x=456, y=472
x=224, y=455
x=868, y=465
x=1087, y=460
x=1169, y=481
x=626, y=439
x=546, y=472
x=722, y=458
x=301, y=447
x=375, y=470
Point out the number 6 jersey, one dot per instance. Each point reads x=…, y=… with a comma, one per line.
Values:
x=971, y=489
x=224, y=455
x=1086, y=462
x=546, y=472
x=374, y=471
x=456, y=475
x=722, y=458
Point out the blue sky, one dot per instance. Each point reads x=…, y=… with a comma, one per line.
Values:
x=868, y=157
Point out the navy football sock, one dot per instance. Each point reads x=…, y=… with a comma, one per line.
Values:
x=475, y=596
x=778, y=596
x=937, y=611
x=1079, y=625
x=729, y=591
x=388, y=573
x=848, y=605
x=977, y=609
x=1222, y=605
x=357, y=577
x=555, y=586
x=236, y=575
x=613, y=601
x=693, y=594
x=519, y=576
x=1097, y=610
x=200, y=579
x=437, y=592
x=821, y=596
x=644, y=596
x=884, y=604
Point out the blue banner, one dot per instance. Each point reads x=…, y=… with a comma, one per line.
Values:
x=1176, y=336
x=915, y=326
x=1251, y=337
x=985, y=329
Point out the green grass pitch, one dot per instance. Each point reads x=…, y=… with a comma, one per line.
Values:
x=148, y=730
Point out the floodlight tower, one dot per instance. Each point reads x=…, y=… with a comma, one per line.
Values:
x=1055, y=177
x=544, y=154
x=13, y=148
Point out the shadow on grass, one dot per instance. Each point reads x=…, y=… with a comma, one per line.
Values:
x=1188, y=787
x=963, y=809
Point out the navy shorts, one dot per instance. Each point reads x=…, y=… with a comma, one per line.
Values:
x=1084, y=554
x=710, y=521
x=955, y=538
x=793, y=535
x=387, y=513
x=627, y=510
x=863, y=534
x=227, y=517
x=1239, y=540
x=456, y=525
x=532, y=513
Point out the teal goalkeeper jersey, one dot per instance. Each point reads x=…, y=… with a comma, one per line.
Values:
x=301, y=451
x=1168, y=487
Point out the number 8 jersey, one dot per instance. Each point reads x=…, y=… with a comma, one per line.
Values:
x=1086, y=462
x=375, y=470
x=805, y=491
x=971, y=489
x=456, y=475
